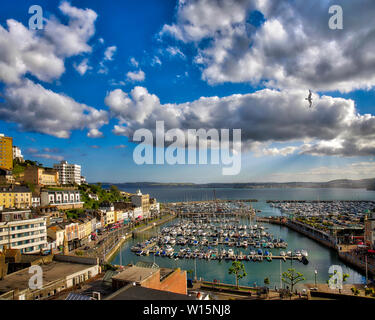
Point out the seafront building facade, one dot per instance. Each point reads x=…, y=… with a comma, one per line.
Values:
x=63, y=199
x=370, y=231
x=15, y=197
x=68, y=173
x=143, y=201
x=6, y=152
x=27, y=235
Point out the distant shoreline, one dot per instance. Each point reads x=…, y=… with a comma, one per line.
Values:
x=368, y=184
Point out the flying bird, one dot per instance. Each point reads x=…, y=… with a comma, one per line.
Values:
x=309, y=98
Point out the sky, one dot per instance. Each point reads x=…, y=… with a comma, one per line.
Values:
x=98, y=71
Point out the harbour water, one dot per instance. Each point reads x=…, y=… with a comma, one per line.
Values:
x=320, y=258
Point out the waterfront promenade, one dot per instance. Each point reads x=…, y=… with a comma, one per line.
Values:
x=356, y=260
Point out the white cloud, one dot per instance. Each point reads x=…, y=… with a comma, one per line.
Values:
x=71, y=39
x=109, y=53
x=48, y=156
x=174, y=51
x=82, y=67
x=134, y=62
x=156, y=60
x=136, y=76
x=37, y=109
x=279, y=151
x=293, y=48
x=264, y=116
x=94, y=133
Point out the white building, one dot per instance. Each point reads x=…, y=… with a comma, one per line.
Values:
x=30, y=235
x=35, y=201
x=68, y=173
x=65, y=199
x=17, y=154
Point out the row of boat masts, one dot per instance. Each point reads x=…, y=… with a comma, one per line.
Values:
x=198, y=233
x=223, y=254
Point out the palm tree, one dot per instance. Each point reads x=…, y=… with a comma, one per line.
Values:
x=238, y=269
x=292, y=277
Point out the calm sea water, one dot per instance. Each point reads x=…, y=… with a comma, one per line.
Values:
x=320, y=257
x=173, y=194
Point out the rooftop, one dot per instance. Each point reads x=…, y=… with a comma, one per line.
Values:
x=135, y=274
x=51, y=272
x=141, y=293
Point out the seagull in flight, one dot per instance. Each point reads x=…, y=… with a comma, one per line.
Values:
x=309, y=98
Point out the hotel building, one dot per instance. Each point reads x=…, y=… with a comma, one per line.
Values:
x=27, y=235
x=63, y=199
x=68, y=173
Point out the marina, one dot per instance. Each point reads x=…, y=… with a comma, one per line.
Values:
x=320, y=257
x=215, y=239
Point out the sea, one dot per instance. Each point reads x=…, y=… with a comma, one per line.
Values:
x=320, y=258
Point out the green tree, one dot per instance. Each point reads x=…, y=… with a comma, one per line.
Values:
x=292, y=277
x=238, y=269
x=266, y=281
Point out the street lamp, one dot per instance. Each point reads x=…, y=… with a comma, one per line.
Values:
x=315, y=273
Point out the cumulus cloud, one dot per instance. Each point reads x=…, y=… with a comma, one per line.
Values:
x=82, y=67
x=37, y=109
x=264, y=116
x=42, y=54
x=293, y=47
x=94, y=133
x=109, y=53
x=136, y=76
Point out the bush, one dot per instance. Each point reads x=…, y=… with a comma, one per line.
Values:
x=369, y=291
x=355, y=291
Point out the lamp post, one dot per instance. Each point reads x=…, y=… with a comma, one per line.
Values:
x=315, y=273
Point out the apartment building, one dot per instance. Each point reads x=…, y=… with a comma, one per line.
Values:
x=27, y=235
x=6, y=152
x=63, y=199
x=41, y=176
x=68, y=173
x=143, y=201
x=15, y=197
x=17, y=154
x=56, y=233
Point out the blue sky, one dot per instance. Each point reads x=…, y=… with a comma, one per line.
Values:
x=181, y=53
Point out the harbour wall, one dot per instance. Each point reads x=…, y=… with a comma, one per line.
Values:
x=328, y=242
